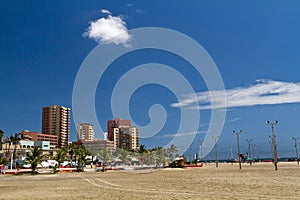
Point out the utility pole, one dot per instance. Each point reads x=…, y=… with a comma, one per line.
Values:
x=270, y=142
x=249, y=150
x=238, y=143
x=217, y=161
x=296, y=146
x=200, y=143
x=275, y=157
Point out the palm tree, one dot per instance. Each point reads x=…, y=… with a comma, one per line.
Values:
x=171, y=151
x=93, y=152
x=10, y=140
x=124, y=156
x=143, y=154
x=72, y=147
x=35, y=157
x=1, y=137
x=81, y=152
x=16, y=141
x=103, y=154
x=60, y=156
x=142, y=149
x=158, y=155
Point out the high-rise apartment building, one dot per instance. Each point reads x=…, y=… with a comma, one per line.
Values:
x=56, y=121
x=123, y=134
x=115, y=123
x=85, y=132
x=134, y=137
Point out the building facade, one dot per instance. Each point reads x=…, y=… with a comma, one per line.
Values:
x=97, y=144
x=115, y=123
x=23, y=147
x=123, y=134
x=85, y=132
x=134, y=138
x=56, y=121
x=28, y=144
x=35, y=136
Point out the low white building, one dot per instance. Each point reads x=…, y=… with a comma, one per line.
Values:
x=28, y=144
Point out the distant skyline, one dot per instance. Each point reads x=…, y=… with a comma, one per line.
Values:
x=255, y=46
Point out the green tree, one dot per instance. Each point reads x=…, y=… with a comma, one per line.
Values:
x=172, y=150
x=9, y=140
x=72, y=150
x=104, y=155
x=3, y=161
x=124, y=156
x=60, y=157
x=142, y=149
x=16, y=140
x=143, y=155
x=1, y=138
x=158, y=155
x=81, y=152
x=93, y=152
x=35, y=157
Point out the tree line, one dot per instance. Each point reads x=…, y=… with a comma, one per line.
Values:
x=78, y=154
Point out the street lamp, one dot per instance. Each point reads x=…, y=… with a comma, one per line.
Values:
x=238, y=142
x=296, y=146
x=249, y=150
x=200, y=143
x=191, y=152
x=253, y=152
x=274, y=143
x=257, y=154
x=217, y=161
x=205, y=157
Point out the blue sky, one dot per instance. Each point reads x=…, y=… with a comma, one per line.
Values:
x=255, y=45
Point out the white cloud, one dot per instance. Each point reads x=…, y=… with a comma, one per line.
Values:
x=107, y=30
x=234, y=120
x=181, y=134
x=139, y=11
x=104, y=11
x=263, y=92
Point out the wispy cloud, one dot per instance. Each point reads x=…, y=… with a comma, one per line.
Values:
x=180, y=134
x=139, y=11
x=104, y=11
x=107, y=30
x=234, y=119
x=262, y=92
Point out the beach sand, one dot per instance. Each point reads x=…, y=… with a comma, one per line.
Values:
x=259, y=181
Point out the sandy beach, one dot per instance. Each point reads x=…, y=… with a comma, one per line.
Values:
x=259, y=181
